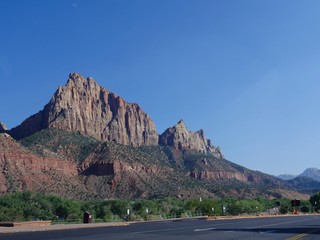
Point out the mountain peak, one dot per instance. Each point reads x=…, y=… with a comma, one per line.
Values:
x=80, y=83
x=181, y=126
x=181, y=122
x=3, y=127
x=180, y=138
x=313, y=173
x=76, y=76
x=83, y=105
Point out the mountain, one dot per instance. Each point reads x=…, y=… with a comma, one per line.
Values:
x=308, y=181
x=286, y=176
x=313, y=173
x=178, y=137
x=89, y=143
x=82, y=105
x=305, y=184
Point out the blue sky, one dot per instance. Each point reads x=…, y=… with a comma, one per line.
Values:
x=246, y=72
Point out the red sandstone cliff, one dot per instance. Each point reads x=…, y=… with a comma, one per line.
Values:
x=21, y=170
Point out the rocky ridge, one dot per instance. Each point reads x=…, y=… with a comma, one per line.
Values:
x=180, y=138
x=82, y=105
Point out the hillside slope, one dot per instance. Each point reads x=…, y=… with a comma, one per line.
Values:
x=113, y=170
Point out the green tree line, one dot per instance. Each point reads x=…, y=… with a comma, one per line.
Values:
x=28, y=206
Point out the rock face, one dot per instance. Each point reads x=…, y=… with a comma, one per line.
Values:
x=129, y=172
x=21, y=170
x=82, y=105
x=222, y=175
x=180, y=138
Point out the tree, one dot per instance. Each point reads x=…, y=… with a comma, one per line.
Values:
x=315, y=201
x=119, y=207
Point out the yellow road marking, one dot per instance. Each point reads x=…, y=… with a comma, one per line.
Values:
x=302, y=235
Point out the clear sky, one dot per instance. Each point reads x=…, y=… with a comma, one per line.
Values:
x=246, y=72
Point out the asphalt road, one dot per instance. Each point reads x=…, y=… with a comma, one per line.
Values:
x=290, y=228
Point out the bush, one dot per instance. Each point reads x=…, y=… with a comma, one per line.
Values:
x=315, y=201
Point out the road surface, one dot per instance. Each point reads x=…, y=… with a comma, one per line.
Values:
x=290, y=228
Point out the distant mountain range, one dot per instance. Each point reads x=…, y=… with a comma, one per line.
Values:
x=313, y=173
x=89, y=143
x=308, y=181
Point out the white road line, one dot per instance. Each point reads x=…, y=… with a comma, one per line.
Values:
x=204, y=229
x=270, y=231
x=161, y=230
